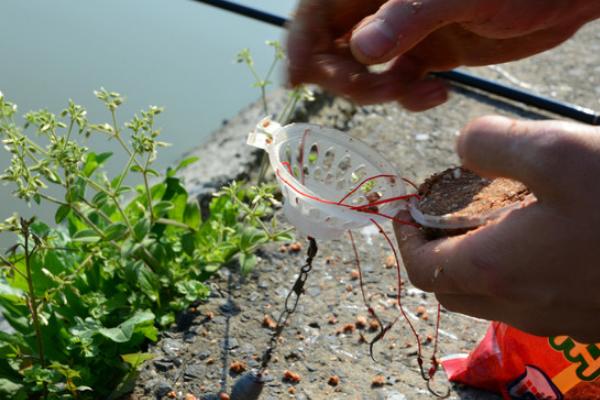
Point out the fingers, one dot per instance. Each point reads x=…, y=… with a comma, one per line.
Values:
x=403, y=82
x=544, y=155
x=307, y=33
x=480, y=262
x=400, y=24
x=547, y=322
x=436, y=265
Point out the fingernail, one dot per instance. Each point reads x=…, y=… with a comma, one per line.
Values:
x=375, y=39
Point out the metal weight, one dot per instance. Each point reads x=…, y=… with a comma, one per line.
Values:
x=248, y=387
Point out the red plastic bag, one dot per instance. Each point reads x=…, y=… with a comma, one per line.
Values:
x=526, y=367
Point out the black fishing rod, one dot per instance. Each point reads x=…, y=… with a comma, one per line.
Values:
x=564, y=109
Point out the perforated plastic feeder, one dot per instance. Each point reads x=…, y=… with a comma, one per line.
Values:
x=331, y=182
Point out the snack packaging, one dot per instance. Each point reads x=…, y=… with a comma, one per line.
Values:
x=521, y=366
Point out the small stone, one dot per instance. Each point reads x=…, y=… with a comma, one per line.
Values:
x=420, y=311
x=348, y=328
x=253, y=297
x=230, y=308
x=289, y=376
x=194, y=371
x=162, y=388
x=230, y=343
x=172, y=394
x=171, y=347
x=268, y=322
x=295, y=247
x=162, y=365
x=373, y=325
x=332, y=320
x=311, y=367
x=223, y=396
x=390, y=261
x=334, y=380
x=292, y=390
x=378, y=381
x=237, y=367
x=361, y=322
x=354, y=274
x=263, y=284
x=189, y=396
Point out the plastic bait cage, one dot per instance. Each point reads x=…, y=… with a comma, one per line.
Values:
x=331, y=182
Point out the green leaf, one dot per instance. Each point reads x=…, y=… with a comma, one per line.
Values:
x=247, y=262
x=284, y=237
x=185, y=162
x=149, y=282
x=141, y=229
x=212, y=268
x=62, y=213
x=11, y=389
x=100, y=199
x=192, y=290
x=251, y=237
x=162, y=207
x=116, y=231
x=191, y=215
x=188, y=243
x=93, y=161
x=86, y=236
x=142, y=321
x=152, y=172
x=136, y=359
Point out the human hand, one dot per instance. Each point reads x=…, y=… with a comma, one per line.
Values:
x=538, y=267
x=331, y=42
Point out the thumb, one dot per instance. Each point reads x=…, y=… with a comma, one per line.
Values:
x=544, y=155
x=399, y=25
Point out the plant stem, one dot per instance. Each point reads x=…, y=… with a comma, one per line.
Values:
x=12, y=267
x=32, y=299
x=166, y=221
x=98, y=210
x=147, y=186
x=69, y=134
x=81, y=215
x=125, y=170
x=250, y=212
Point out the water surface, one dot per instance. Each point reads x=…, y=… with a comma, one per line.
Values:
x=178, y=54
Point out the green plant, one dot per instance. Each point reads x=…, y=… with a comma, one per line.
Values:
x=84, y=297
x=298, y=94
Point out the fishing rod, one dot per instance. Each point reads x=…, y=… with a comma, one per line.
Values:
x=558, y=107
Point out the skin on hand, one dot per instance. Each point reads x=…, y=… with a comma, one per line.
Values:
x=536, y=268
x=332, y=42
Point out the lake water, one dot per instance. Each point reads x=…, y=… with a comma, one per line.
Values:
x=174, y=53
